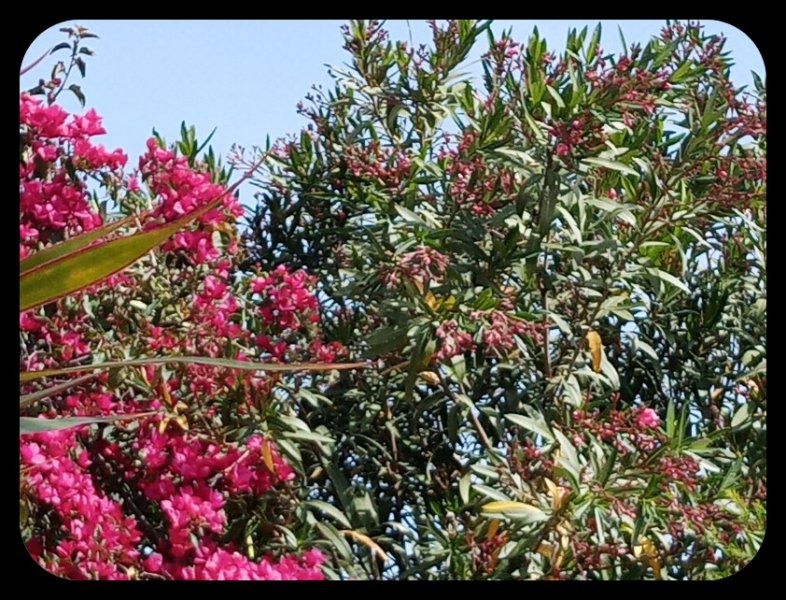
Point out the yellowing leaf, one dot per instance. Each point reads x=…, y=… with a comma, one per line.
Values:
x=493, y=527
x=267, y=456
x=449, y=303
x=753, y=386
x=430, y=300
x=368, y=542
x=508, y=506
x=165, y=393
x=558, y=494
x=595, y=348
x=544, y=549
x=429, y=377
x=645, y=550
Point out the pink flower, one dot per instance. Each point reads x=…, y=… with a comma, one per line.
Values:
x=453, y=340
x=648, y=418
x=562, y=149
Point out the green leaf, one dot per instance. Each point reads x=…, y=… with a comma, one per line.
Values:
x=647, y=349
x=557, y=98
x=34, y=425
x=464, y=486
x=680, y=72
x=77, y=91
x=409, y=216
x=573, y=391
x=308, y=436
x=71, y=245
x=669, y=278
x=568, y=460
x=198, y=360
x=740, y=416
x=60, y=46
x=531, y=425
x=670, y=419
x=79, y=267
x=330, y=511
x=619, y=210
x=490, y=492
x=384, y=340
x=87, y=266
x=612, y=165
x=571, y=223
x=732, y=474
x=337, y=541
x=603, y=476
x=54, y=390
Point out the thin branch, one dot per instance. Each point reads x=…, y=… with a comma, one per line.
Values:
x=35, y=62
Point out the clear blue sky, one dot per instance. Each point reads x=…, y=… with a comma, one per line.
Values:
x=246, y=77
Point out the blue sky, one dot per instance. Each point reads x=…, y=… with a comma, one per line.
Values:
x=246, y=77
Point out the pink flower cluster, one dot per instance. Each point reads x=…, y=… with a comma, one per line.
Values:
x=216, y=564
x=638, y=425
x=286, y=301
x=379, y=164
x=425, y=265
x=163, y=484
x=183, y=189
x=453, y=341
x=52, y=200
x=499, y=330
x=475, y=183
x=98, y=540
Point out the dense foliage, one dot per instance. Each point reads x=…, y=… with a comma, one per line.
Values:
x=559, y=272
x=556, y=272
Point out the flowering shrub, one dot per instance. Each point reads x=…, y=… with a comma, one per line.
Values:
x=467, y=234
x=159, y=496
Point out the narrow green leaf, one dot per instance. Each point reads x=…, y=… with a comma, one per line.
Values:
x=740, y=416
x=77, y=91
x=603, y=476
x=83, y=267
x=555, y=94
x=71, y=245
x=91, y=265
x=669, y=278
x=199, y=360
x=336, y=540
x=464, y=486
x=54, y=390
x=670, y=419
x=531, y=425
x=490, y=492
x=409, y=216
x=732, y=474
x=308, y=436
x=515, y=510
x=329, y=510
x=33, y=425
x=612, y=165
